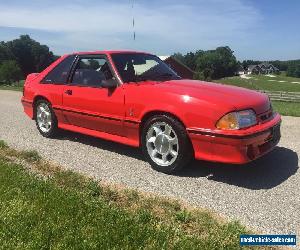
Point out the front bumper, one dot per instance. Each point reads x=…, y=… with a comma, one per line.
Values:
x=237, y=147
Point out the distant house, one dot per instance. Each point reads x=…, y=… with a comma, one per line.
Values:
x=254, y=69
x=181, y=69
x=263, y=68
x=268, y=68
x=240, y=70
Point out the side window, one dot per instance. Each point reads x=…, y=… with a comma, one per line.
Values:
x=59, y=75
x=91, y=71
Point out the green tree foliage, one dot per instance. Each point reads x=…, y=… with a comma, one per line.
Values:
x=179, y=57
x=5, y=53
x=246, y=63
x=10, y=72
x=293, y=70
x=29, y=54
x=210, y=64
x=189, y=59
x=281, y=65
x=218, y=63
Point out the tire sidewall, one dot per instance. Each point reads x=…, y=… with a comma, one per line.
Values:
x=184, y=152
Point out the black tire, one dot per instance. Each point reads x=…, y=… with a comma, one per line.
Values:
x=185, y=151
x=53, y=131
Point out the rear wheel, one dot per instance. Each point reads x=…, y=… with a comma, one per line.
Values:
x=166, y=144
x=45, y=119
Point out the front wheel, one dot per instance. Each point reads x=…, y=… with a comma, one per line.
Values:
x=45, y=119
x=165, y=144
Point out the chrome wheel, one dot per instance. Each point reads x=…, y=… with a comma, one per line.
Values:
x=162, y=143
x=44, y=117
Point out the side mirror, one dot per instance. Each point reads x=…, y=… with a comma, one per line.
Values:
x=110, y=83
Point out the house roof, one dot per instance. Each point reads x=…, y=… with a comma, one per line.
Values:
x=252, y=66
x=163, y=58
x=262, y=66
x=240, y=67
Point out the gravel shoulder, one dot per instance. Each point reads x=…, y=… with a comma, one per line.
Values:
x=263, y=195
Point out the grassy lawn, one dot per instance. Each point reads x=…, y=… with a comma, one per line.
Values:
x=287, y=108
x=43, y=207
x=261, y=82
x=18, y=86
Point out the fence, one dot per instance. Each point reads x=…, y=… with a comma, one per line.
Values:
x=283, y=96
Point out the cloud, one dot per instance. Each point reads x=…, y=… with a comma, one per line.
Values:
x=159, y=25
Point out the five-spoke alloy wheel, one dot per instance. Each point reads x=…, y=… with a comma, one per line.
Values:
x=166, y=144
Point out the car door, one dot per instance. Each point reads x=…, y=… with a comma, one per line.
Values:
x=53, y=84
x=87, y=104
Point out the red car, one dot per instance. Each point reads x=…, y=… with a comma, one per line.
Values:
x=136, y=99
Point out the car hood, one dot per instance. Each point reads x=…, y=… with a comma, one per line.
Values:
x=231, y=97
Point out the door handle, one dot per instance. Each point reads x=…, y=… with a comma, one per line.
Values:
x=68, y=92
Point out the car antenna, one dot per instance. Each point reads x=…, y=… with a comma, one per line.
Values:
x=133, y=24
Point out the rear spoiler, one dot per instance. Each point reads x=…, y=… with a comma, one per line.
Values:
x=31, y=77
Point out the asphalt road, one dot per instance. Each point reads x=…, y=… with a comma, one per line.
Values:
x=264, y=195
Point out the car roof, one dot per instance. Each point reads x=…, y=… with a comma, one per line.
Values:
x=106, y=52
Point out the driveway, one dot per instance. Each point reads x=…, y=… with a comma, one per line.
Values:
x=263, y=195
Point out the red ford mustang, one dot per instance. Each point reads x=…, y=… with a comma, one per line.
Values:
x=136, y=99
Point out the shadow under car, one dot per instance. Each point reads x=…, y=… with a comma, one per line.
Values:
x=264, y=173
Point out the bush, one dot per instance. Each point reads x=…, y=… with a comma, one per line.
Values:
x=10, y=72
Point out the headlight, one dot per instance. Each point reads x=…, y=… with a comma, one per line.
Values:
x=237, y=120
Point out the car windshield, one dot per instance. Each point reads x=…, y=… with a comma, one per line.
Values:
x=136, y=67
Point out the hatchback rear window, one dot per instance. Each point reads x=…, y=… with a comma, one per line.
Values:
x=59, y=75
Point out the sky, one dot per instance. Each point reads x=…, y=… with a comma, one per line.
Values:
x=253, y=29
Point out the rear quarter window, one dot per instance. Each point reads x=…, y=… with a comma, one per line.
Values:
x=59, y=75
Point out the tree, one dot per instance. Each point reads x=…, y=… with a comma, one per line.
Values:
x=10, y=72
x=210, y=64
x=293, y=70
x=179, y=57
x=190, y=60
x=30, y=54
x=5, y=53
x=217, y=63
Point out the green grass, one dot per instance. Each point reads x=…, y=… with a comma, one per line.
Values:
x=17, y=86
x=260, y=82
x=47, y=207
x=287, y=108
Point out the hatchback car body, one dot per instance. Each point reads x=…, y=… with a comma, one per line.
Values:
x=136, y=99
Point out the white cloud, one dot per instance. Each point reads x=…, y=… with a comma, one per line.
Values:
x=106, y=24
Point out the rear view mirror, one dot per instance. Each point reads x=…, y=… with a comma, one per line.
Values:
x=110, y=83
